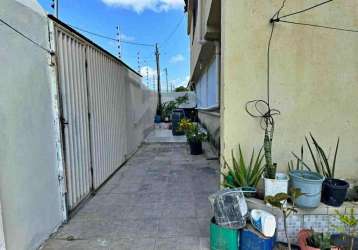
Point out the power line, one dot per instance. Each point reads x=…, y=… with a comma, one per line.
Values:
x=111, y=38
x=25, y=36
x=172, y=32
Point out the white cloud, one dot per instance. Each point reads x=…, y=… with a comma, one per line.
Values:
x=177, y=58
x=125, y=37
x=151, y=72
x=141, y=5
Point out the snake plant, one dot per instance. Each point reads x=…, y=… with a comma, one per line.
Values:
x=270, y=168
x=320, y=161
x=241, y=174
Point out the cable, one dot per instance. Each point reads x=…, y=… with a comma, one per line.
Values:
x=165, y=41
x=301, y=11
x=111, y=38
x=25, y=37
x=318, y=26
x=266, y=113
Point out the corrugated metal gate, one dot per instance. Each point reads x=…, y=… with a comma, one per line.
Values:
x=71, y=53
x=105, y=112
x=106, y=78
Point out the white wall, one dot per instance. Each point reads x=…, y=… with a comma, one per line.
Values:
x=29, y=189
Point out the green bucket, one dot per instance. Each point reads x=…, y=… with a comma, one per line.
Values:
x=222, y=238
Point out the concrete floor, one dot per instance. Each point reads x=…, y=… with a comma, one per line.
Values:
x=164, y=135
x=158, y=200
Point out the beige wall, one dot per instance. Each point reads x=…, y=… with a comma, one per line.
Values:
x=314, y=78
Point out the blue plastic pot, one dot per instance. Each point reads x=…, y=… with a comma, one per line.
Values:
x=310, y=184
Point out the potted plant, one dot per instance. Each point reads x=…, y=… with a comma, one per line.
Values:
x=309, y=182
x=310, y=240
x=334, y=190
x=280, y=201
x=347, y=237
x=241, y=174
x=274, y=182
x=194, y=136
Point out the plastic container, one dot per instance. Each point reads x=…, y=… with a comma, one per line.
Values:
x=263, y=221
x=250, y=239
x=275, y=186
x=177, y=115
x=334, y=192
x=196, y=148
x=222, y=238
x=310, y=184
x=230, y=208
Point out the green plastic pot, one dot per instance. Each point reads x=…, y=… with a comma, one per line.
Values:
x=222, y=238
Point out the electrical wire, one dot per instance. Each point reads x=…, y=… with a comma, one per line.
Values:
x=307, y=9
x=165, y=41
x=25, y=36
x=262, y=108
x=112, y=38
x=318, y=26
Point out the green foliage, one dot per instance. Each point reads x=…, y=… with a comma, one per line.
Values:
x=270, y=168
x=319, y=240
x=320, y=161
x=180, y=89
x=280, y=201
x=168, y=107
x=241, y=174
x=349, y=221
x=299, y=162
x=192, y=131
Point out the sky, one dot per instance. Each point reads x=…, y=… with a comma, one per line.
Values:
x=141, y=21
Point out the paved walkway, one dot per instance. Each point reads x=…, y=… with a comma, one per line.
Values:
x=158, y=200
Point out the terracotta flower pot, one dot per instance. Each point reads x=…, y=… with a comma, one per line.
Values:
x=302, y=240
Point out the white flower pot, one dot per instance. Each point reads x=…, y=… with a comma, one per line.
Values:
x=278, y=185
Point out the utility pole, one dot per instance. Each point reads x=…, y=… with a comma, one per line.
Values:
x=119, y=41
x=166, y=78
x=157, y=54
x=54, y=6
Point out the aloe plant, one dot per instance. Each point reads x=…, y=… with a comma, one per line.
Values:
x=320, y=161
x=241, y=174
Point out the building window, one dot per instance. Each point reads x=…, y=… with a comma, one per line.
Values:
x=207, y=88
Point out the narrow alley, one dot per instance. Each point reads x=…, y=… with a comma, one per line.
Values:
x=157, y=200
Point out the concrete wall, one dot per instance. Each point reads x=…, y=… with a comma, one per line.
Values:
x=314, y=78
x=29, y=189
x=211, y=121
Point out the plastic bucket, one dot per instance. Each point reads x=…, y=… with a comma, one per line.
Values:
x=334, y=192
x=275, y=186
x=310, y=184
x=222, y=238
x=250, y=239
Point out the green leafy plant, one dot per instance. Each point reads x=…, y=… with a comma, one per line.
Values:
x=241, y=174
x=280, y=201
x=319, y=240
x=270, y=168
x=168, y=107
x=180, y=89
x=192, y=131
x=320, y=161
x=299, y=163
x=349, y=227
